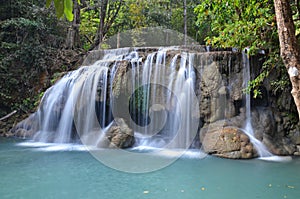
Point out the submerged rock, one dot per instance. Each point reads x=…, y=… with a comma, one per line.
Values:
x=228, y=142
x=120, y=135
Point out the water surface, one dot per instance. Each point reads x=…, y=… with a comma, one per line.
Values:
x=66, y=171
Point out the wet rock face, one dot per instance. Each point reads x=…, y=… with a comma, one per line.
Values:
x=228, y=142
x=120, y=135
x=268, y=129
x=26, y=128
x=220, y=82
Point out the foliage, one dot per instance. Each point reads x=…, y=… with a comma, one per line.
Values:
x=98, y=22
x=238, y=23
x=89, y=25
x=29, y=37
x=136, y=15
x=245, y=24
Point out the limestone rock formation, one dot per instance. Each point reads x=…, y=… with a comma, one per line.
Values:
x=26, y=128
x=228, y=142
x=120, y=135
x=219, y=87
x=269, y=129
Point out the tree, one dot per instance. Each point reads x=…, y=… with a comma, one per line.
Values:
x=237, y=24
x=242, y=24
x=289, y=48
x=31, y=38
x=252, y=24
x=73, y=37
x=109, y=17
x=108, y=13
x=184, y=21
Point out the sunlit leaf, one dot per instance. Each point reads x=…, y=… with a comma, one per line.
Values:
x=68, y=9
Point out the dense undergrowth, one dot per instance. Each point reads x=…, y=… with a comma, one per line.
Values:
x=32, y=54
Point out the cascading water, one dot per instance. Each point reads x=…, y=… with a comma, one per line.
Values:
x=160, y=96
x=248, y=129
x=147, y=98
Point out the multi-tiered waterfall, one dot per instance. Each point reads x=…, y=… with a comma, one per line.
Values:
x=167, y=98
x=153, y=94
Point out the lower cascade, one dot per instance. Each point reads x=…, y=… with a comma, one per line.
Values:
x=171, y=97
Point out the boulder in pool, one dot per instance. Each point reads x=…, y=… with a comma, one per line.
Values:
x=228, y=142
x=120, y=135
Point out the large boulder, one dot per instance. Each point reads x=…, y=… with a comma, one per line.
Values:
x=120, y=135
x=228, y=142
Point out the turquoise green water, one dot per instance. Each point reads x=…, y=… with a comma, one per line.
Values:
x=26, y=172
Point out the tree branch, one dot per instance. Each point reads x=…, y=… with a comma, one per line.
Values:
x=112, y=19
x=8, y=115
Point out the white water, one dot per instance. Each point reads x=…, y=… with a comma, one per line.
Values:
x=263, y=152
x=248, y=129
x=168, y=92
x=167, y=153
x=77, y=104
x=80, y=105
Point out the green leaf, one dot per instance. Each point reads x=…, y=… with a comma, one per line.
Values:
x=48, y=3
x=59, y=7
x=68, y=9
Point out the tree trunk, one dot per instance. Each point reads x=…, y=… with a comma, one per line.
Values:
x=103, y=10
x=109, y=11
x=100, y=31
x=73, y=38
x=289, y=49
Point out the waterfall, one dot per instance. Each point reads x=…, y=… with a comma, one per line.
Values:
x=147, y=98
x=248, y=128
x=159, y=94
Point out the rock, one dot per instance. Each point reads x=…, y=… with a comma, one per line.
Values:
x=297, y=153
x=228, y=142
x=211, y=83
x=297, y=137
x=23, y=133
x=26, y=128
x=8, y=134
x=279, y=146
x=297, y=150
x=158, y=115
x=265, y=124
x=223, y=91
x=120, y=82
x=120, y=135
